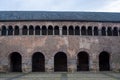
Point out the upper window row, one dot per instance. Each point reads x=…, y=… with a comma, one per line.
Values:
x=50, y=30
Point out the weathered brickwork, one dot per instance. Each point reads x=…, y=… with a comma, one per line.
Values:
x=49, y=45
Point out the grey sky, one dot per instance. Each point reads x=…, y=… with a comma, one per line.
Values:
x=61, y=5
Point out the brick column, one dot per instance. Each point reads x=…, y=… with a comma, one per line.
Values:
x=20, y=31
x=72, y=66
x=114, y=62
x=93, y=62
x=60, y=30
x=33, y=30
x=26, y=64
x=71, y=62
x=93, y=31
x=99, y=32
x=6, y=32
x=0, y=32
x=49, y=64
x=4, y=64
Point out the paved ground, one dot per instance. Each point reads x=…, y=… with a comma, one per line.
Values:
x=61, y=76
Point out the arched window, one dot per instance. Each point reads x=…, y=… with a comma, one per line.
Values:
x=4, y=31
x=64, y=30
x=77, y=30
x=83, y=30
x=82, y=61
x=109, y=31
x=89, y=30
x=96, y=31
x=37, y=30
x=16, y=30
x=71, y=30
x=115, y=31
x=24, y=30
x=31, y=30
x=103, y=31
x=56, y=30
x=10, y=30
x=44, y=30
x=50, y=30
x=104, y=61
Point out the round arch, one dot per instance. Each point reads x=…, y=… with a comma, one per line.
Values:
x=96, y=31
x=103, y=31
x=24, y=30
x=10, y=30
x=15, y=62
x=83, y=30
x=4, y=30
x=115, y=31
x=71, y=30
x=31, y=30
x=50, y=30
x=16, y=30
x=82, y=61
x=37, y=30
x=104, y=61
x=109, y=31
x=64, y=30
x=89, y=30
x=44, y=30
x=38, y=62
x=77, y=30
x=60, y=62
x=56, y=30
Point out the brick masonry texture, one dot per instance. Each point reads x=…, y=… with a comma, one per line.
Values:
x=49, y=45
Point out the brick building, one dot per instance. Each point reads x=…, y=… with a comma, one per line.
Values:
x=59, y=41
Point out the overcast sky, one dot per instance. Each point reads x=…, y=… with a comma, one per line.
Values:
x=61, y=5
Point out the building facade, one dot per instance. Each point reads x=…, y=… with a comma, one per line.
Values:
x=59, y=41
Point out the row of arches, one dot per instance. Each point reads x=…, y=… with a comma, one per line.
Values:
x=50, y=30
x=60, y=62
